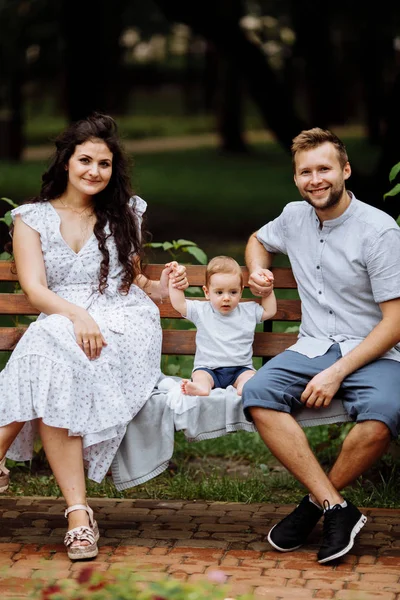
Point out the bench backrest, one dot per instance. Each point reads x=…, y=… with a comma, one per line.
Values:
x=175, y=341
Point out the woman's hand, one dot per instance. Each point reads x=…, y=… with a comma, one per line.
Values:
x=88, y=335
x=178, y=276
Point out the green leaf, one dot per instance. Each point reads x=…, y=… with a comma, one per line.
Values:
x=10, y=202
x=394, y=171
x=167, y=246
x=5, y=256
x=393, y=192
x=199, y=255
x=154, y=244
x=185, y=243
x=8, y=218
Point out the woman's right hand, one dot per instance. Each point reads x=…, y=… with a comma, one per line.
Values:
x=88, y=335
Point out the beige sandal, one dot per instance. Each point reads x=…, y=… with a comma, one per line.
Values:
x=82, y=534
x=4, y=476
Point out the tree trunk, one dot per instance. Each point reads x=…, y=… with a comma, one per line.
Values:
x=91, y=32
x=211, y=19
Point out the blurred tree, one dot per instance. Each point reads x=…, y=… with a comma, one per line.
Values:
x=217, y=22
x=91, y=31
x=327, y=94
x=13, y=18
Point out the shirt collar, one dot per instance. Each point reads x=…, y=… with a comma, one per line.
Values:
x=344, y=216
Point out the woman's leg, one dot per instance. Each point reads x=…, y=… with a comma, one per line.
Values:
x=8, y=433
x=65, y=456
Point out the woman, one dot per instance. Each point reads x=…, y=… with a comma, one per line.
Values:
x=89, y=362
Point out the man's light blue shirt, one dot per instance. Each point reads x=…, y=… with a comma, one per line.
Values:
x=343, y=270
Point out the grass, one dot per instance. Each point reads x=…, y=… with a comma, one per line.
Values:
x=198, y=471
x=160, y=113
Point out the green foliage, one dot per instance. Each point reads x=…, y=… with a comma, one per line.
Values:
x=7, y=219
x=392, y=176
x=125, y=585
x=177, y=247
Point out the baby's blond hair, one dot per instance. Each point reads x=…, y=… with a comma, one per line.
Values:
x=223, y=264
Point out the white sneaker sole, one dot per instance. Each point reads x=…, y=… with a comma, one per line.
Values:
x=357, y=527
x=277, y=547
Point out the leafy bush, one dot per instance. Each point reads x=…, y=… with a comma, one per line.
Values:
x=89, y=583
x=392, y=176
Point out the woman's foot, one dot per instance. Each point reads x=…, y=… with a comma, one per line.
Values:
x=83, y=533
x=4, y=476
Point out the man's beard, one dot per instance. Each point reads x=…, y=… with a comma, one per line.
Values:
x=333, y=198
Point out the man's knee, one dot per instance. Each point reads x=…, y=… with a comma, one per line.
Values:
x=375, y=432
x=261, y=415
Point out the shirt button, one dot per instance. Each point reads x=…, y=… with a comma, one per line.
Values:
x=320, y=292
x=318, y=267
x=322, y=241
x=331, y=312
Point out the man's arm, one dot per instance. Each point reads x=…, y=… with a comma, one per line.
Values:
x=386, y=334
x=258, y=261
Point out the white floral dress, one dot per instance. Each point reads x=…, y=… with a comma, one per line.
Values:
x=48, y=375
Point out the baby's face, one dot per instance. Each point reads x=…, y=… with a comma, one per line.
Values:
x=224, y=292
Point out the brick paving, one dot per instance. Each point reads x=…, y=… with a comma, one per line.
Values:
x=188, y=540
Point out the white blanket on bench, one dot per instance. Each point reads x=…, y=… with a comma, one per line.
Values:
x=148, y=444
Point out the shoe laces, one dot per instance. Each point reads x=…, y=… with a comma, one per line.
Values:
x=330, y=512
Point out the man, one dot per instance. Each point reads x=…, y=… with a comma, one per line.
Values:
x=345, y=256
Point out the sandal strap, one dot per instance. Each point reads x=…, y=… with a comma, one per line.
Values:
x=3, y=468
x=81, y=507
x=79, y=534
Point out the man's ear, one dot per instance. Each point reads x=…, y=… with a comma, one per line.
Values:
x=347, y=171
x=206, y=292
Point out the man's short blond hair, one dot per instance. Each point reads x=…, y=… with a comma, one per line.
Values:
x=223, y=264
x=309, y=139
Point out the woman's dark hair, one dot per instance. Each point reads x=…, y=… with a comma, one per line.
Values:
x=111, y=204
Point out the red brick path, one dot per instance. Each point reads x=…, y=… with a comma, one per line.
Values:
x=188, y=540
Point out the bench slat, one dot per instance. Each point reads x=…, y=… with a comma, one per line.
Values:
x=9, y=336
x=16, y=304
x=178, y=342
x=283, y=276
x=183, y=342
x=5, y=271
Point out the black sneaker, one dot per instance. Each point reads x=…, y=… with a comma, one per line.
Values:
x=341, y=526
x=293, y=531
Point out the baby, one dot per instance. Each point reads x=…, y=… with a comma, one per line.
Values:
x=225, y=328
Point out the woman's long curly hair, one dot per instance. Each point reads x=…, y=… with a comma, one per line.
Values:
x=111, y=204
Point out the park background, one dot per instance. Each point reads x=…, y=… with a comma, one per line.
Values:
x=208, y=96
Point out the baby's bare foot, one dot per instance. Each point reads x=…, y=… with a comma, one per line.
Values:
x=195, y=389
x=184, y=382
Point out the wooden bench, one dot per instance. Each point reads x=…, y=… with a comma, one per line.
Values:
x=176, y=341
x=149, y=441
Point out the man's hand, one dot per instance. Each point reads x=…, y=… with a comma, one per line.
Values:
x=322, y=388
x=261, y=282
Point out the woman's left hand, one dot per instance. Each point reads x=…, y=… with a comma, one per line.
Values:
x=179, y=279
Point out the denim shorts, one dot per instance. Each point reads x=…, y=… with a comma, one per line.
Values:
x=372, y=393
x=224, y=376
